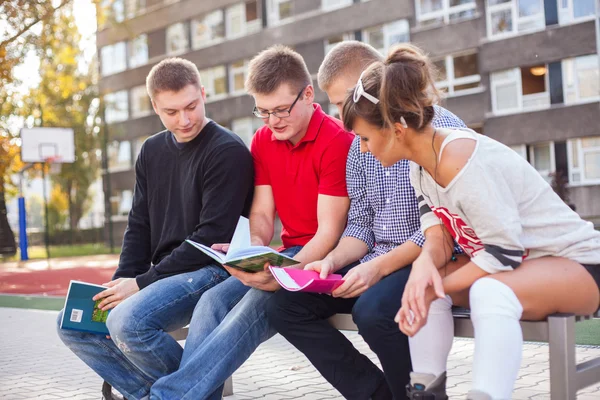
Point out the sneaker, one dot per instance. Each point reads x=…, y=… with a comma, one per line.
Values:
x=426, y=387
x=108, y=394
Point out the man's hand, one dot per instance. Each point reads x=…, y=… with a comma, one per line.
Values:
x=119, y=290
x=222, y=247
x=323, y=267
x=358, y=280
x=262, y=280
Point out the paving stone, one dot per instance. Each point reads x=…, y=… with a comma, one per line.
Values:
x=34, y=364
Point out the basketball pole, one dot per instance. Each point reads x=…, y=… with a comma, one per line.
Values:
x=47, y=233
x=23, y=217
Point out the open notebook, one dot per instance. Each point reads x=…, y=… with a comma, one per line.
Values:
x=242, y=254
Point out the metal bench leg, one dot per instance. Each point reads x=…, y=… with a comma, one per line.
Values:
x=563, y=385
x=228, y=390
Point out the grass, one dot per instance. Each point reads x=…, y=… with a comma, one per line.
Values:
x=77, y=250
x=587, y=332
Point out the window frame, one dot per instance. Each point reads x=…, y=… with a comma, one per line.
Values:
x=450, y=82
x=108, y=107
x=576, y=145
x=199, y=42
x=512, y=5
x=328, y=46
x=246, y=27
x=208, y=76
x=388, y=30
x=566, y=17
x=330, y=5
x=169, y=31
x=565, y=70
x=273, y=15
x=236, y=70
x=444, y=13
x=552, y=170
x=136, y=112
x=108, y=55
x=495, y=82
x=133, y=54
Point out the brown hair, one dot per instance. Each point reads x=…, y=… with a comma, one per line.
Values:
x=405, y=86
x=348, y=57
x=275, y=66
x=172, y=75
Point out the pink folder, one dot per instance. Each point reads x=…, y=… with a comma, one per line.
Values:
x=299, y=280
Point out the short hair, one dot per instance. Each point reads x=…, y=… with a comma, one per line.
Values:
x=172, y=75
x=346, y=57
x=275, y=66
x=404, y=84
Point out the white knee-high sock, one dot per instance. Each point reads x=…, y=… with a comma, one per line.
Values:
x=495, y=312
x=430, y=347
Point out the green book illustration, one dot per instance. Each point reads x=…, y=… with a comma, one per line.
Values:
x=244, y=256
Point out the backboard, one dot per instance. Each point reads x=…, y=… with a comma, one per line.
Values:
x=40, y=144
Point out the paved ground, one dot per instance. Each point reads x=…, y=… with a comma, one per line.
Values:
x=35, y=365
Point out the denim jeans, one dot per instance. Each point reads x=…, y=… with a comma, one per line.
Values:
x=140, y=350
x=228, y=324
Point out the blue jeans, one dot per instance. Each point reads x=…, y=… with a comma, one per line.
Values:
x=228, y=324
x=140, y=350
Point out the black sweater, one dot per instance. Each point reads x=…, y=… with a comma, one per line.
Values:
x=197, y=192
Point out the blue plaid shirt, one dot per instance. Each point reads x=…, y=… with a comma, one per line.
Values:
x=384, y=212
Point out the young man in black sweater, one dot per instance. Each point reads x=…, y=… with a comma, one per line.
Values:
x=193, y=181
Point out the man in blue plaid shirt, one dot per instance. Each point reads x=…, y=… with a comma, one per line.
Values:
x=381, y=241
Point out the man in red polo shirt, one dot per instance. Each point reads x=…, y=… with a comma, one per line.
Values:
x=300, y=165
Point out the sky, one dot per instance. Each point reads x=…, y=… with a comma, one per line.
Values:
x=85, y=18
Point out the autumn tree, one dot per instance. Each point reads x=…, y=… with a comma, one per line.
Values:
x=67, y=97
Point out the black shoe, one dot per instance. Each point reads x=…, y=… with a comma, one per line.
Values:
x=107, y=393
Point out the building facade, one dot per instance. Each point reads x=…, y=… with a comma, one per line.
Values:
x=524, y=72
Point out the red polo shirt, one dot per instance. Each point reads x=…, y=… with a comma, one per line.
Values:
x=298, y=174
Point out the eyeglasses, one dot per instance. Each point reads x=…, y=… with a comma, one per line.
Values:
x=277, y=113
x=359, y=90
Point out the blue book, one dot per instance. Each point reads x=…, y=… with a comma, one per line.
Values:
x=81, y=313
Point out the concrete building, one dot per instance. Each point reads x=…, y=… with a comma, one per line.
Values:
x=525, y=72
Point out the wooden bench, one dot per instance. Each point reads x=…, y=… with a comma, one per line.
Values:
x=566, y=376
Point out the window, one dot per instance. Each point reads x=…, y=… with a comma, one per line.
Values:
x=581, y=79
x=334, y=4
x=208, y=30
x=237, y=76
x=519, y=89
x=140, y=102
x=432, y=12
x=214, y=82
x=333, y=40
x=382, y=37
x=115, y=10
x=246, y=127
x=113, y=58
x=138, y=146
x=120, y=203
x=119, y=156
x=510, y=17
x=279, y=10
x=584, y=160
x=115, y=107
x=520, y=149
x=458, y=73
x=574, y=10
x=138, y=51
x=242, y=19
x=177, y=38
x=541, y=156
x=134, y=7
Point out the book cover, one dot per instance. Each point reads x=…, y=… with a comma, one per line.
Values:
x=81, y=313
x=242, y=254
x=299, y=280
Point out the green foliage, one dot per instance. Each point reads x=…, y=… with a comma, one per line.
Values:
x=67, y=97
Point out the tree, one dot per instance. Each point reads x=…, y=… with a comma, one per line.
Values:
x=67, y=97
x=18, y=36
x=58, y=206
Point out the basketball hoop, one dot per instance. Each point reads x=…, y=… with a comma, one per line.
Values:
x=54, y=164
